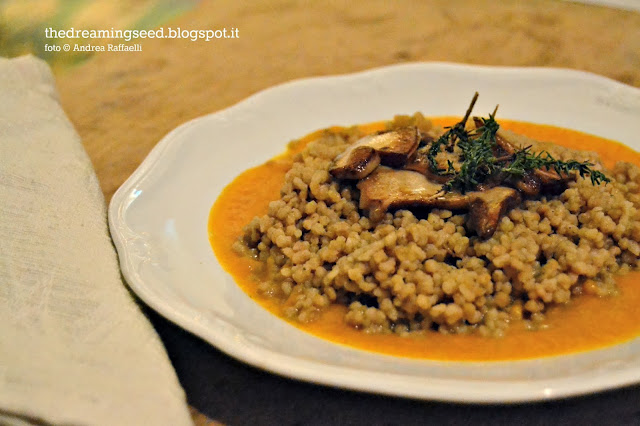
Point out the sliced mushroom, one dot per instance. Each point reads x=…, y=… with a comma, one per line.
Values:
x=550, y=177
x=397, y=146
x=486, y=208
x=420, y=163
x=392, y=148
x=529, y=185
x=504, y=144
x=387, y=188
x=355, y=163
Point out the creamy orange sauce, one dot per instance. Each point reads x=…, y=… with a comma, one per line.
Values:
x=588, y=322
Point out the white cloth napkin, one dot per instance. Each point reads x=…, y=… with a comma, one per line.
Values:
x=74, y=346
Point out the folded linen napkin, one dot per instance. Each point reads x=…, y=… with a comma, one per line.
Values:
x=74, y=346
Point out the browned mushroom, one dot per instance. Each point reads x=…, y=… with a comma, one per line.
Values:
x=529, y=185
x=355, y=163
x=486, y=208
x=420, y=163
x=387, y=189
x=391, y=148
x=503, y=143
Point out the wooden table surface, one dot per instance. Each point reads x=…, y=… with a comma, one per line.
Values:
x=122, y=103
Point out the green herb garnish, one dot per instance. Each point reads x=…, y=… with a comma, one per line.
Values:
x=479, y=164
x=524, y=160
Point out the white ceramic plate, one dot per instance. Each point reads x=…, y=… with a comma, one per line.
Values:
x=158, y=221
x=633, y=5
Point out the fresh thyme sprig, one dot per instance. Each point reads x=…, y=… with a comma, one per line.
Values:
x=524, y=160
x=437, y=145
x=478, y=160
x=480, y=164
x=456, y=133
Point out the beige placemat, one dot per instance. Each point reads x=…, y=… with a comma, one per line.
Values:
x=123, y=103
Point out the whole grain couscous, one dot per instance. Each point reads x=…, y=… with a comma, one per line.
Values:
x=415, y=269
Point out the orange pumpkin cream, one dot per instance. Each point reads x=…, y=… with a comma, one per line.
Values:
x=521, y=273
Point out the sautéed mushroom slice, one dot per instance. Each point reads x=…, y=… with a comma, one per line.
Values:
x=387, y=188
x=393, y=148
